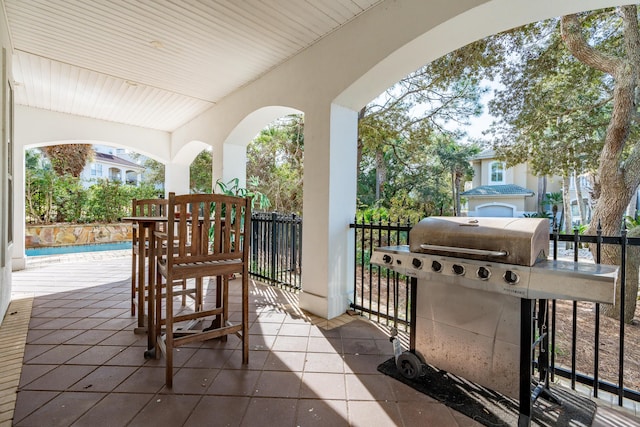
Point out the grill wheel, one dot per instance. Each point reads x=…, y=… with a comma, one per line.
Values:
x=409, y=365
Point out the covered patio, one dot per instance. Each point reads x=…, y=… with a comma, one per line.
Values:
x=168, y=79
x=84, y=365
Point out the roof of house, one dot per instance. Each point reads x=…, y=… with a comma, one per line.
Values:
x=110, y=158
x=486, y=154
x=498, y=190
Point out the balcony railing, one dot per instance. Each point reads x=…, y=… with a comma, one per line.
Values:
x=276, y=248
x=586, y=347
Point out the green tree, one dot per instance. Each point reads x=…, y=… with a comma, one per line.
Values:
x=275, y=159
x=455, y=160
x=570, y=104
x=397, y=128
x=201, y=173
x=153, y=171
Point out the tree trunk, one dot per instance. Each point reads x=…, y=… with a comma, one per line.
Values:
x=632, y=274
x=542, y=192
x=361, y=115
x=458, y=184
x=453, y=193
x=580, y=199
x=381, y=174
x=566, y=204
x=616, y=178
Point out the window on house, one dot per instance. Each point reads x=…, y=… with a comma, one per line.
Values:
x=497, y=173
x=114, y=174
x=96, y=169
x=132, y=178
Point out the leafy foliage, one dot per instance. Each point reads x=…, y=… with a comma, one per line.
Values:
x=409, y=153
x=232, y=188
x=50, y=197
x=153, y=171
x=275, y=164
x=201, y=173
x=632, y=222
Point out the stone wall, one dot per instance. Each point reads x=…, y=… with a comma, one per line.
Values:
x=38, y=236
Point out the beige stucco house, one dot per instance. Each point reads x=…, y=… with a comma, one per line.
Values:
x=500, y=191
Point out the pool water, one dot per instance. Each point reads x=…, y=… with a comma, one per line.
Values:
x=56, y=250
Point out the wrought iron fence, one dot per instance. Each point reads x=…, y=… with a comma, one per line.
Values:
x=607, y=358
x=276, y=248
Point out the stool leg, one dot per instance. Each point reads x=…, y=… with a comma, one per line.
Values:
x=134, y=275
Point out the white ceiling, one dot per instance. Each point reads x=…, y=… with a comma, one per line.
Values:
x=157, y=63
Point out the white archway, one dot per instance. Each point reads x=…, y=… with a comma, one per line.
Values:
x=233, y=161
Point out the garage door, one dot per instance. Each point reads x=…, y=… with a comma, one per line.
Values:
x=497, y=210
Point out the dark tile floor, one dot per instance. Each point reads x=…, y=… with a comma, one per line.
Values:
x=84, y=366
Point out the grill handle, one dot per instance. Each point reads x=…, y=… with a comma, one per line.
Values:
x=468, y=251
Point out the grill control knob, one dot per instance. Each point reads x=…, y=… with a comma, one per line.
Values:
x=416, y=262
x=386, y=259
x=458, y=269
x=483, y=273
x=511, y=278
x=436, y=266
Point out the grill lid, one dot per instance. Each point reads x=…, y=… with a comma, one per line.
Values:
x=519, y=241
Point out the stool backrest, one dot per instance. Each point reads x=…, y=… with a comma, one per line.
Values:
x=149, y=207
x=208, y=227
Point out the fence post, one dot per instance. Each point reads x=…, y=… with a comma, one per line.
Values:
x=623, y=291
x=274, y=244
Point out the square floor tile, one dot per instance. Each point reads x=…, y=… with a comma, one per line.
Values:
x=324, y=362
x=219, y=410
x=104, y=378
x=62, y=410
x=60, y=378
x=367, y=414
x=165, y=410
x=322, y=413
x=116, y=409
x=270, y=412
x=234, y=382
x=278, y=384
x=323, y=386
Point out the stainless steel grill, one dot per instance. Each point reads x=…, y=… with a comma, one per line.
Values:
x=475, y=279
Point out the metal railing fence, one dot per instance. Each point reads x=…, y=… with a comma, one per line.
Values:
x=276, y=248
x=384, y=296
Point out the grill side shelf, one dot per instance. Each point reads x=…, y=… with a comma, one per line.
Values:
x=567, y=280
x=578, y=281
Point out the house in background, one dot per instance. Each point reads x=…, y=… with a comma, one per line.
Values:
x=111, y=164
x=504, y=192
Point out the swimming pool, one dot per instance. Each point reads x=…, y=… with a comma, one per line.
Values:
x=57, y=250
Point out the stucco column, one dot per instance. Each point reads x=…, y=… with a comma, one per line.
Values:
x=217, y=165
x=176, y=178
x=18, y=258
x=330, y=155
x=234, y=163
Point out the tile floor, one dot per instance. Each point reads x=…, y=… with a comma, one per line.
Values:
x=84, y=366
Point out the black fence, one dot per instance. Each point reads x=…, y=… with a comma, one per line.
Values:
x=276, y=249
x=586, y=347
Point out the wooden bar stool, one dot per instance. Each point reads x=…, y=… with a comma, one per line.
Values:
x=140, y=252
x=211, y=234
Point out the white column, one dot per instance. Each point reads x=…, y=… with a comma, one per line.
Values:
x=234, y=164
x=176, y=178
x=18, y=260
x=217, y=165
x=329, y=207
